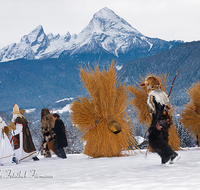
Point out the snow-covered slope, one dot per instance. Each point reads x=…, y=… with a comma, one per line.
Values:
x=106, y=32
x=78, y=172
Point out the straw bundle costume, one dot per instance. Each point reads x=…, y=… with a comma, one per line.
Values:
x=24, y=148
x=6, y=151
x=153, y=108
x=47, y=123
x=101, y=117
x=190, y=116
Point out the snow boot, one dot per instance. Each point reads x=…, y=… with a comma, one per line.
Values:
x=35, y=158
x=174, y=158
x=15, y=160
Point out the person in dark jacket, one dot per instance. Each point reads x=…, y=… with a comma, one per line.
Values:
x=158, y=103
x=61, y=139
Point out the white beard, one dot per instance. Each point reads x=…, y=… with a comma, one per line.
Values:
x=160, y=97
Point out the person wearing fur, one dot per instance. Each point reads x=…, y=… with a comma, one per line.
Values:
x=24, y=148
x=61, y=140
x=47, y=123
x=6, y=151
x=158, y=103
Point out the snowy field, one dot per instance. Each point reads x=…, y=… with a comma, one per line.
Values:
x=117, y=173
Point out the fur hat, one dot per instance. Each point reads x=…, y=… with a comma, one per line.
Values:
x=152, y=83
x=16, y=109
x=44, y=112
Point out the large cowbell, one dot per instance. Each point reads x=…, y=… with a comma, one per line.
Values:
x=114, y=127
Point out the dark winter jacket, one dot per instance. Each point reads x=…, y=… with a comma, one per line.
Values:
x=158, y=116
x=59, y=129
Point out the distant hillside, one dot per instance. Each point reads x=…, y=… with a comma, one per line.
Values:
x=185, y=57
x=37, y=83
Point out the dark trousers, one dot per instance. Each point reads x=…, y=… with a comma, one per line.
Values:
x=60, y=152
x=163, y=149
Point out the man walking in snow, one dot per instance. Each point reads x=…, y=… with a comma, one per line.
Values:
x=158, y=103
x=61, y=140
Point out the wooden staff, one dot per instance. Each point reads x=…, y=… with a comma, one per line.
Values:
x=173, y=83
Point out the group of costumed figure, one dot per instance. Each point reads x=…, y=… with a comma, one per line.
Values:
x=105, y=126
x=103, y=121
x=23, y=149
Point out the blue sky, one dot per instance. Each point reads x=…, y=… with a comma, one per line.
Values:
x=164, y=19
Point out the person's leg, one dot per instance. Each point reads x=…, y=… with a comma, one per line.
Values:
x=163, y=149
x=60, y=152
x=166, y=153
x=47, y=151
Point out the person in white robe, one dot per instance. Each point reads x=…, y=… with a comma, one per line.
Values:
x=6, y=150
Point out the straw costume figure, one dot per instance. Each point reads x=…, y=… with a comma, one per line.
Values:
x=101, y=118
x=153, y=108
x=190, y=116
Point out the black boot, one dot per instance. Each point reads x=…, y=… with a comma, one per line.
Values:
x=15, y=160
x=35, y=158
x=174, y=158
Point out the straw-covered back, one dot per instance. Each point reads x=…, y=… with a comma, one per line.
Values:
x=104, y=108
x=190, y=115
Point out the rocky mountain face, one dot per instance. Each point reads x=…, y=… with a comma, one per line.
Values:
x=106, y=37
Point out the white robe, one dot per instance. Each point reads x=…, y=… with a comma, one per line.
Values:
x=6, y=150
x=20, y=154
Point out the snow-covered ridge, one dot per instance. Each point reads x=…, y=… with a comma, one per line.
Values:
x=67, y=108
x=119, y=67
x=64, y=100
x=30, y=110
x=106, y=31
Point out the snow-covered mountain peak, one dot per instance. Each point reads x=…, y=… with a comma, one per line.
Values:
x=107, y=20
x=105, y=32
x=50, y=36
x=34, y=37
x=108, y=31
x=105, y=13
x=67, y=37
